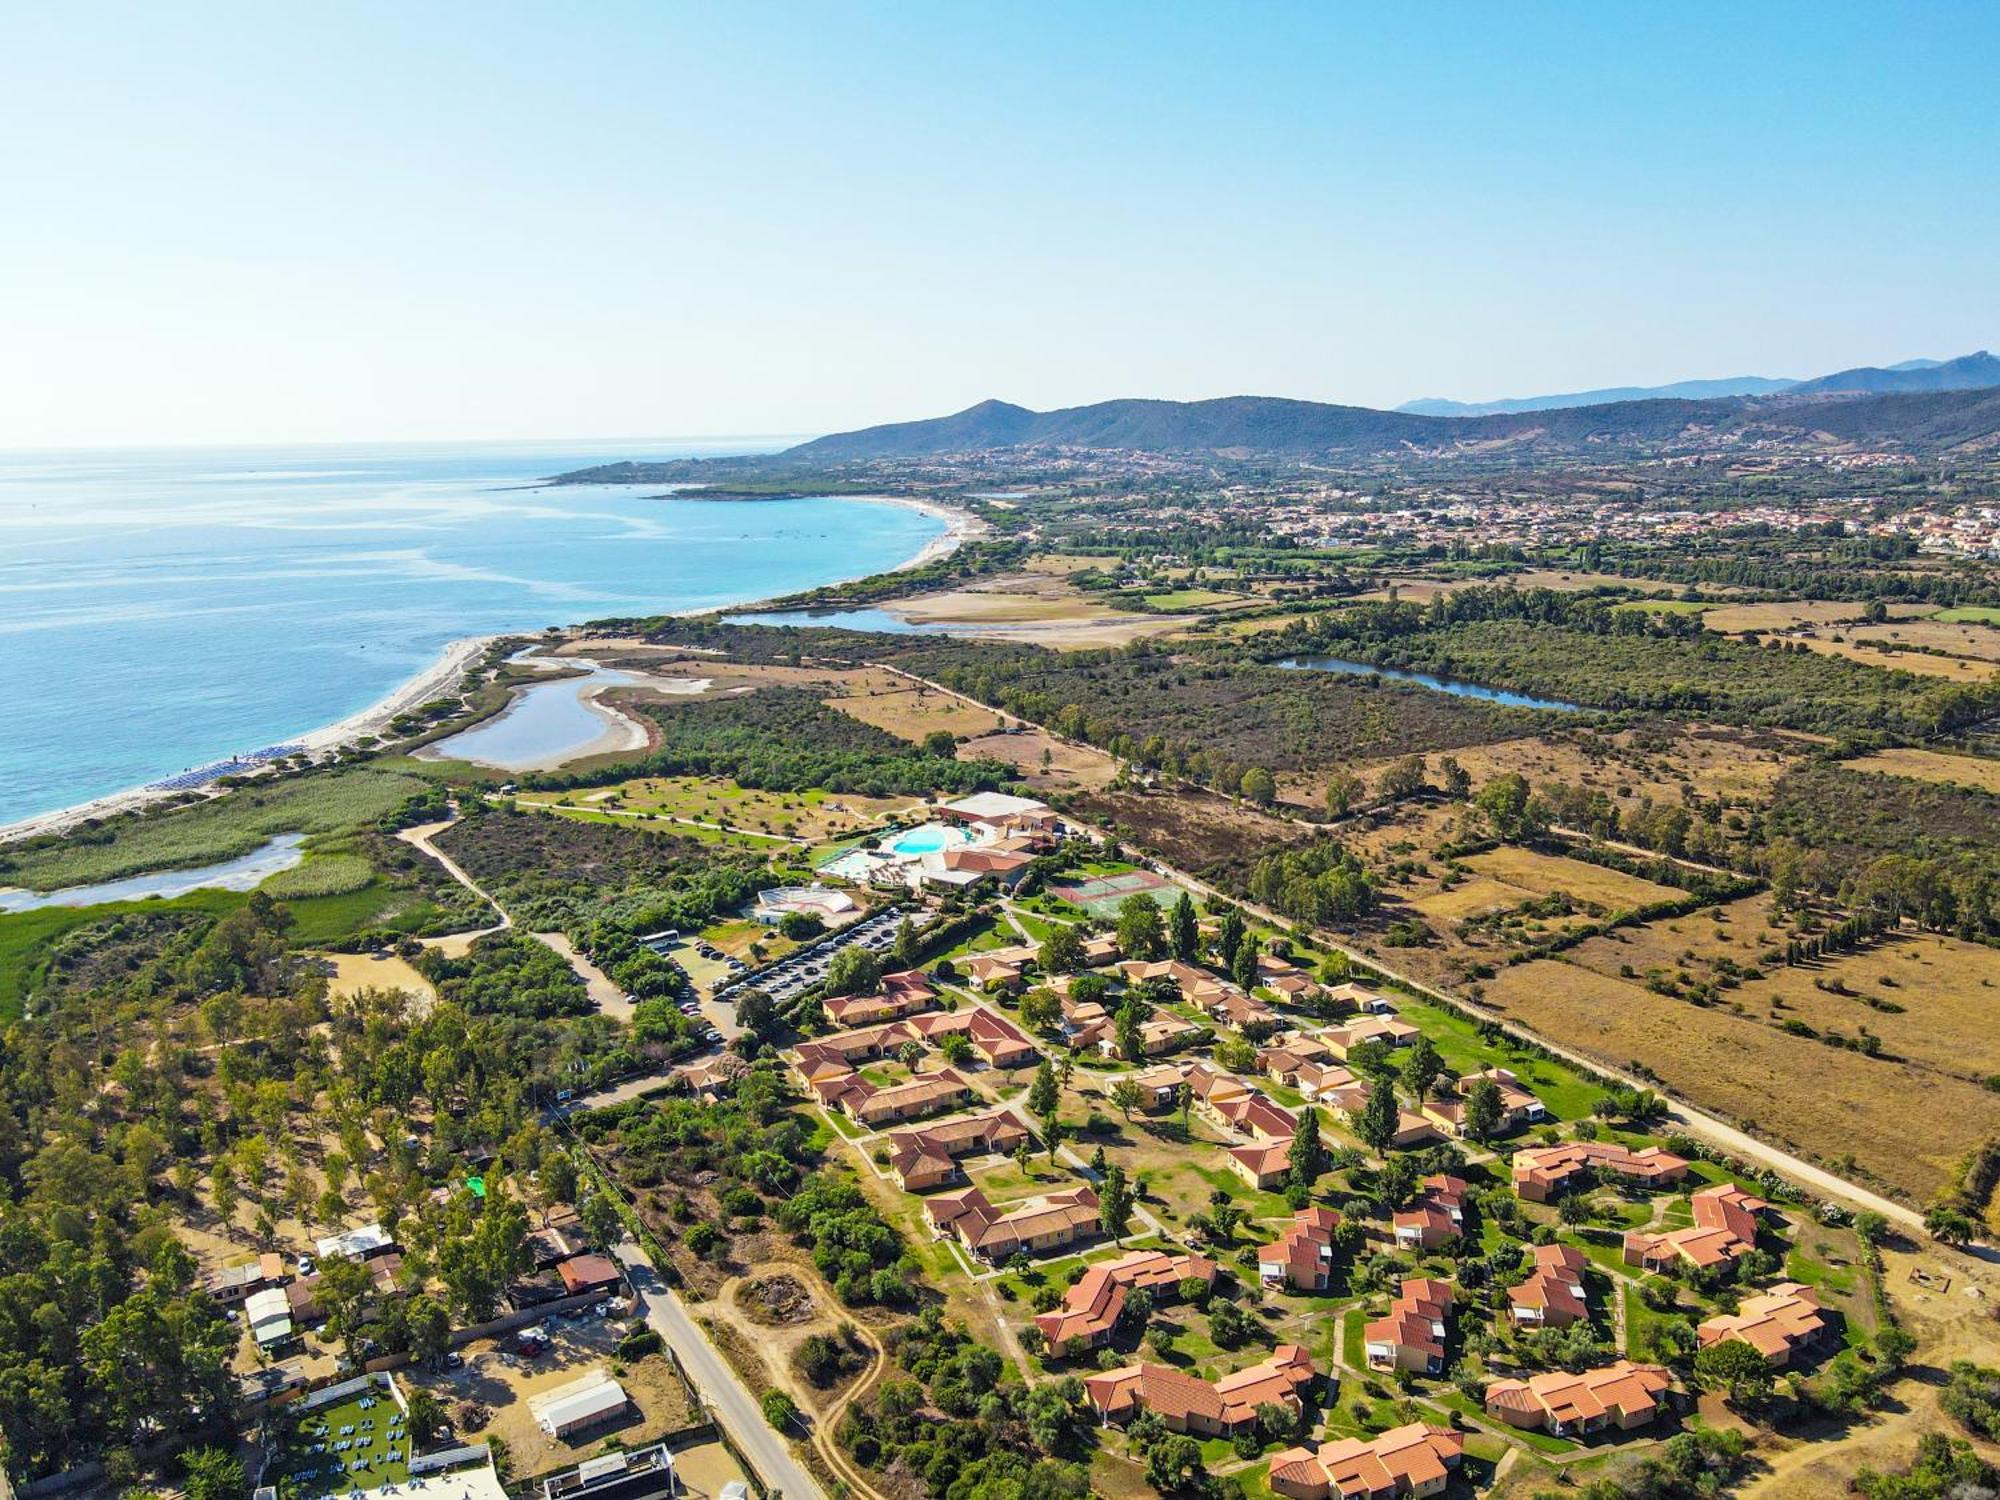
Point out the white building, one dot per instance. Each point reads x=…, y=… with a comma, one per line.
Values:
x=579, y=1404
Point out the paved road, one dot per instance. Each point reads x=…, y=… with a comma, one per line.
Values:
x=729, y=1401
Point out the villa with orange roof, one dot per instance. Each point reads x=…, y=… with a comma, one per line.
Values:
x=1045, y=1223
x=1092, y=1306
x=1390, y=1031
x=1302, y=1257
x=1780, y=1324
x=1545, y=1173
x=1723, y=1232
x=1518, y=1107
x=1436, y=1217
x=903, y=994
x=1411, y=1335
x=928, y=1157
x=1552, y=1296
x=1187, y=1403
x=1621, y=1395
x=1264, y=1165
x=1416, y=1459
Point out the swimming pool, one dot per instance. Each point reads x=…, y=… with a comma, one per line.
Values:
x=927, y=839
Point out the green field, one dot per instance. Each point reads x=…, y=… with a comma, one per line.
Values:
x=1667, y=606
x=23, y=935
x=1191, y=599
x=1969, y=614
x=209, y=832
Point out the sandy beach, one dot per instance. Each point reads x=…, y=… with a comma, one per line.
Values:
x=441, y=679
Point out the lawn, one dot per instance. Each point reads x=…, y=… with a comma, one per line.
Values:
x=348, y=1434
x=812, y=814
x=1976, y=614
x=1191, y=598
x=1565, y=1095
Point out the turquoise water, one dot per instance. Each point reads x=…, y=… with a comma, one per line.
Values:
x=160, y=610
x=879, y=620
x=926, y=840
x=545, y=723
x=1450, y=685
x=244, y=873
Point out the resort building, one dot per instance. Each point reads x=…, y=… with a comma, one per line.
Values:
x=1621, y=1395
x=1723, y=1232
x=995, y=1038
x=1361, y=1000
x=1545, y=1173
x=1265, y=1166
x=1159, y=1088
x=1005, y=967
x=1189, y=1404
x=1436, y=1218
x=905, y=993
x=1282, y=1057
x=1046, y=1223
x=1411, y=1335
x=831, y=907
x=1781, y=1324
x=1091, y=1308
x=999, y=814
x=1518, y=1107
x=867, y=1103
x=1302, y=1257
x=928, y=1157
x=1160, y=1033
x=987, y=839
x=968, y=868
x=1416, y=1459
x=845, y=1048
x=1552, y=1296
x=1330, y=1082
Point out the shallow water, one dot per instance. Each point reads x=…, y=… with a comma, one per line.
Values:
x=549, y=722
x=1450, y=685
x=244, y=873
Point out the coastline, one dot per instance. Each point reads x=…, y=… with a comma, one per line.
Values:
x=444, y=676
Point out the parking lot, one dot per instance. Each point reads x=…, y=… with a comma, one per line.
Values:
x=790, y=977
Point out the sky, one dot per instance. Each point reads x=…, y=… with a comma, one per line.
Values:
x=457, y=221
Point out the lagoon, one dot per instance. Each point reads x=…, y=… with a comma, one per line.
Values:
x=1450, y=685
x=549, y=723
x=879, y=621
x=244, y=873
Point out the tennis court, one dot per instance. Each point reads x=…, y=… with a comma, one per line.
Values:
x=1101, y=895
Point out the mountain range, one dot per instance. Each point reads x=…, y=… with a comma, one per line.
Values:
x=1237, y=427
x=1969, y=372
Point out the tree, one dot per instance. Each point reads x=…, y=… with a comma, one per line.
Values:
x=1184, y=928
x=780, y=1410
x=1062, y=950
x=1127, y=1096
x=1949, y=1225
x=1259, y=786
x=212, y=1474
x=854, y=971
x=425, y=1418
x=1508, y=800
x=941, y=743
x=1457, y=780
x=1421, y=1067
x=905, y=950
x=1131, y=1016
x=1045, y=1103
x=1377, y=1120
x=1244, y=968
x=1114, y=1203
x=1405, y=778
x=1173, y=1462
x=1483, y=1111
x=1229, y=1325
x=1734, y=1368
x=1230, y=938
x=757, y=1013
x=1343, y=792
x=602, y=1225
x=1141, y=934
x=1307, y=1156
x=429, y=1326
x=1039, y=1009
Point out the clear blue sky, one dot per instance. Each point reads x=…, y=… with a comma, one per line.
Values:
x=281, y=223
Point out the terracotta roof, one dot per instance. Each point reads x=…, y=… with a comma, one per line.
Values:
x=1400, y=1460
x=972, y=1217
x=1302, y=1255
x=1774, y=1323
x=1092, y=1306
x=1555, y=1288
x=1724, y=1229
x=1549, y=1167
x=1414, y=1318
x=1229, y=1402
x=1623, y=1391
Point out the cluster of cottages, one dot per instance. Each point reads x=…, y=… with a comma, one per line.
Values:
x=833, y=1066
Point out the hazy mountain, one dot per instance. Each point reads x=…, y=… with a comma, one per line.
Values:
x=1967, y=373
x=1689, y=390
x=1241, y=426
x=1972, y=372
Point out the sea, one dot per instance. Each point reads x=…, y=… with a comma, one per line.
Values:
x=162, y=610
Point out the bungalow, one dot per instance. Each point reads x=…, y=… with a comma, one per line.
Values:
x=1091, y=1308
x=1265, y=1166
x=1411, y=1335
x=1281, y=1058
x=1545, y=1173
x=711, y=1077
x=1045, y=1223
x=1159, y=1087
x=1181, y=972
x=1780, y=1324
x=845, y=1048
x=365, y=1243
x=268, y=1311
x=1232, y=1007
x=232, y=1284
x=1329, y=1082
x=583, y=1274
x=1723, y=1232
x=1160, y=1033
x=1552, y=1296
x=1416, y=1459
x=963, y=868
x=999, y=1041
x=865, y=1103
x=1189, y=1404
x=1302, y=1257
x=1518, y=1107
x=1436, y=1218
x=1293, y=988
x=1412, y=1129
x=302, y=1296
x=928, y=1157
x=1621, y=1395
x=1254, y=1115
x=1390, y=1031
x=546, y=1247
x=1000, y=967
x=1099, y=950
x=1361, y=1000
x=903, y=994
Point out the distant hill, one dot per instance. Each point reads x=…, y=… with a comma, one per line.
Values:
x=1967, y=373
x=1245, y=426
x=1971, y=372
x=1688, y=390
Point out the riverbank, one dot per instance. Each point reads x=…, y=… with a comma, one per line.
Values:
x=443, y=678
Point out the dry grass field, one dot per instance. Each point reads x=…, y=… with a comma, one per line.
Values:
x=1034, y=606
x=812, y=815
x=1069, y=767
x=1902, y=1125
x=1470, y=898
x=1933, y=765
x=1957, y=668
x=1981, y=642
x=1541, y=874
x=1729, y=619
x=913, y=712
